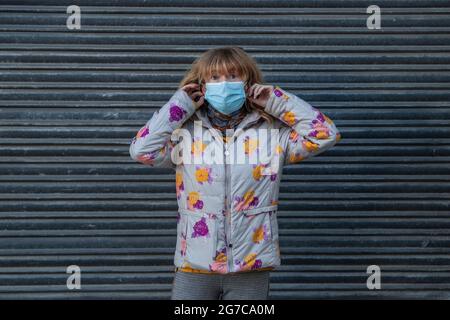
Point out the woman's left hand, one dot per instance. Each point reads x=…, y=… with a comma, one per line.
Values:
x=259, y=94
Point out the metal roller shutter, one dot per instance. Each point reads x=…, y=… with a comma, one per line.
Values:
x=71, y=101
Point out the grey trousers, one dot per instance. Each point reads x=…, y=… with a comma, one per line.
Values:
x=238, y=286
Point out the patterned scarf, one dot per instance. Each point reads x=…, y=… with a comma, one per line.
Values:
x=222, y=121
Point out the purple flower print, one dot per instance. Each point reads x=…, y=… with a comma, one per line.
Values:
x=198, y=204
x=200, y=228
x=320, y=117
x=278, y=92
x=257, y=264
x=142, y=132
x=273, y=177
x=178, y=217
x=254, y=202
x=176, y=113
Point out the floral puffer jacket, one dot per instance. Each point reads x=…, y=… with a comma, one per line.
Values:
x=227, y=216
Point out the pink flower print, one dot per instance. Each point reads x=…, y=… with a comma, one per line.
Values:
x=142, y=132
x=200, y=228
x=247, y=201
x=147, y=158
x=176, y=113
x=250, y=263
x=220, y=262
x=321, y=131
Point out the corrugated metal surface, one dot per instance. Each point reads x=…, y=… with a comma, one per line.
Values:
x=71, y=101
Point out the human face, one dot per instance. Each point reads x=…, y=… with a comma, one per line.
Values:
x=232, y=77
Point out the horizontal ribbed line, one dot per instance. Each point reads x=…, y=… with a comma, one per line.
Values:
x=148, y=105
x=287, y=180
x=154, y=214
x=190, y=52
x=333, y=27
x=278, y=4
x=119, y=68
x=109, y=10
x=16, y=143
x=126, y=160
x=381, y=196
x=358, y=84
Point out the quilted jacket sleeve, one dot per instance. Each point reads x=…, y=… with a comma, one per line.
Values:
x=152, y=144
x=308, y=132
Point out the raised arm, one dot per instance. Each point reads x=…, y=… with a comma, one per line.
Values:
x=152, y=145
x=308, y=133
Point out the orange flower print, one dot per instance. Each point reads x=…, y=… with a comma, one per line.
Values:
x=321, y=130
x=310, y=146
x=293, y=136
x=197, y=147
x=250, y=145
x=294, y=157
x=260, y=233
x=193, y=201
x=179, y=185
x=203, y=174
x=250, y=263
x=257, y=172
x=289, y=118
x=279, y=149
x=220, y=262
x=249, y=200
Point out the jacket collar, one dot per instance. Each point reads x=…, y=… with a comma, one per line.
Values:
x=248, y=120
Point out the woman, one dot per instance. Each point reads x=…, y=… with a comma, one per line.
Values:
x=228, y=168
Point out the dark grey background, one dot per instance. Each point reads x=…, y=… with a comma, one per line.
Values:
x=72, y=100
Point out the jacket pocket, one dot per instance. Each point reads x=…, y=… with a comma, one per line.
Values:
x=201, y=238
x=253, y=243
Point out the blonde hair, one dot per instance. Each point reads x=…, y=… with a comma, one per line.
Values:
x=225, y=60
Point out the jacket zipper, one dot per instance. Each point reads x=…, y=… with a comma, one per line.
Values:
x=229, y=244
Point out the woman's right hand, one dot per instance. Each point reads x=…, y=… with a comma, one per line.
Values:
x=193, y=91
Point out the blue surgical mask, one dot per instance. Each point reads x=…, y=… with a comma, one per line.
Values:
x=225, y=96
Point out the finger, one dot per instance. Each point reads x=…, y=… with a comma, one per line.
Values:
x=189, y=87
x=258, y=91
x=196, y=94
x=252, y=89
x=200, y=101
